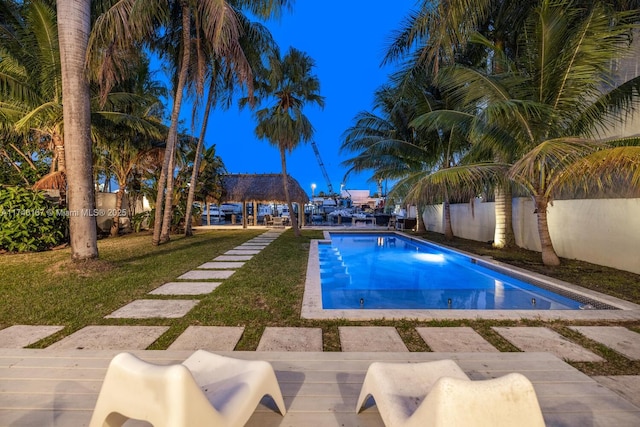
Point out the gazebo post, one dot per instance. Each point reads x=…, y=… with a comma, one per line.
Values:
x=244, y=214
x=301, y=215
x=255, y=213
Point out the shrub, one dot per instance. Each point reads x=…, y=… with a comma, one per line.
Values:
x=29, y=222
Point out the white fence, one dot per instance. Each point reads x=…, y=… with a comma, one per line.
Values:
x=600, y=231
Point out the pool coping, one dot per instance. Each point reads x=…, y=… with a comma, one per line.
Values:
x=312, y=299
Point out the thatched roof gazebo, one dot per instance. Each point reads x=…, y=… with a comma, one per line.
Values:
x=261, y=188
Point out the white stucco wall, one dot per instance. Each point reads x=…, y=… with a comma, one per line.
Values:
x=600, y=231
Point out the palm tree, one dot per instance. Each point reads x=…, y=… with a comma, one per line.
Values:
x=554, y=102
x=256, y=42
x=384, y=141
x=443, y=33
x=74, y=26
x=290, y=87
x=136, y=20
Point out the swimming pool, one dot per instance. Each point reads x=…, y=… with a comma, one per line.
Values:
x=389, y=271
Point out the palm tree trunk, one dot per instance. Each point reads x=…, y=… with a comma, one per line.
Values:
x=503, y=235
x=74, y=25
x=285, y=183
x=165, y=234
x=161, y=225
x=549, y=256
x=58, y=146
x=446, y=208
x=448, y=230
x=198, y=159
x=115, y=225
x=420, y=227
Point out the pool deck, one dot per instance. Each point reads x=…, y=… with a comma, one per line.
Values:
x=59, y=388
x=312, y=300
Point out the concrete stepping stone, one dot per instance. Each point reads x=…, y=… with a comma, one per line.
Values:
x=221, y=265
x=154, y=308
x=111, y=338
x=370, y=338
x=618, y=338
x=242, y=252
x=627, y=386
x=206, y=274
x=544, y=339
x=186, y=288
x=212, y=338
x=233, y=258
x=455, y=339
x=290, y=339
x=252, y=246
x=19, y=336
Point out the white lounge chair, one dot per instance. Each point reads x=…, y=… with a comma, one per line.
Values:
x=204, y=390
x=440, y=394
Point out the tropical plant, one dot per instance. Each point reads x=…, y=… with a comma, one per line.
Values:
x=289, y=87
x=29, y=222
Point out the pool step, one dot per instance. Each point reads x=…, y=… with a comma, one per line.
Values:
x=332, y=268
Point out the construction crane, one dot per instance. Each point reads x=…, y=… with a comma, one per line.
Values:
x=324, y=171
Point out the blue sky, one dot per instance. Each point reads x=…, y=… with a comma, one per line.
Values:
x=347, y=39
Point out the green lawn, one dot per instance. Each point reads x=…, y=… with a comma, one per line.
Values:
x=48, y=289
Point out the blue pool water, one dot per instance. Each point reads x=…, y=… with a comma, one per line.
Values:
x=385, y=271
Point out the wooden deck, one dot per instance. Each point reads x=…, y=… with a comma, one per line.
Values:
x=43, y=388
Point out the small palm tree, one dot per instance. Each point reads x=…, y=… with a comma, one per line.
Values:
x=290, y=87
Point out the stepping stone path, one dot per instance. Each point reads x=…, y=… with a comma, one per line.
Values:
x=140, y=337
x=543, y=339
x=193, y=283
